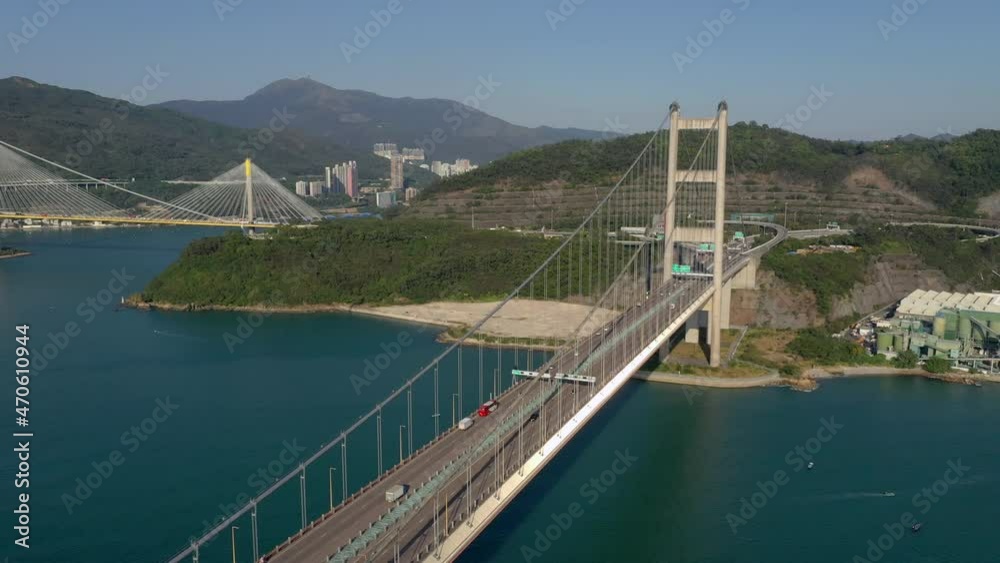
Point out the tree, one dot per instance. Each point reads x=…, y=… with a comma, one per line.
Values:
x=906, y=360
x=790, y=370
x=937, y=364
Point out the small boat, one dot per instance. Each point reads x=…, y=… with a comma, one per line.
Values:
x=916, y=527
x=888, y=494
x=811, y=465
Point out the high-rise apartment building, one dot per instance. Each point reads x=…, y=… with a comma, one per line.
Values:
x=301, y=188
x=315, y=188
x=396, y=181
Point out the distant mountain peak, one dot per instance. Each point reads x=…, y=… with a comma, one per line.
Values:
x=24, y=82
x=358, y=119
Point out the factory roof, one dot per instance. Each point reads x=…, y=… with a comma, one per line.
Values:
x=923, y=303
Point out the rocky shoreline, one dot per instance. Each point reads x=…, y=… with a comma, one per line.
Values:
x=810, y=380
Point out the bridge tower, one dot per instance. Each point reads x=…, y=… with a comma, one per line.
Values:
x=248, y=190
x=715, y=235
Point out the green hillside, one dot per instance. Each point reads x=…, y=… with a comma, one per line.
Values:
x=103, y=137
x=953, y=174
x=361, y=261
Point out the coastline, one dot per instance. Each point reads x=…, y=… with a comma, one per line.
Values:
x=452, y=315
x=810, y=380
x=542, y=324
x=15, y=255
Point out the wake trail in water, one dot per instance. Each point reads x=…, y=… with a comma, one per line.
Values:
x=180, y=336
x=851, y=496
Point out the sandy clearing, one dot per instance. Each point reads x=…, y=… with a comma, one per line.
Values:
x=522, y=318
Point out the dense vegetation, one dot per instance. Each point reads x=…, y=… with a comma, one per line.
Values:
x=825, y=275
x=966, y=262
x=818, y=346
x=151, y=143
x=365, y=261
x=937, y=364
x=953, y=174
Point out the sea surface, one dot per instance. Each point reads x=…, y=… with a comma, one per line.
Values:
x=174, y=424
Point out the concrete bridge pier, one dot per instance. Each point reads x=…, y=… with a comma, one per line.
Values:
x=698, y=328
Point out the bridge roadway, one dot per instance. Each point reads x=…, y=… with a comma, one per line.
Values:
x=414, y=536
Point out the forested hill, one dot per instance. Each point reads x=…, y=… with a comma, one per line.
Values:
x=104, y=137
x=953, y=174
x=365, y=261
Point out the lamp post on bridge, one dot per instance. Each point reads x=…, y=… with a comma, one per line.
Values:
x=401, y=427
x=233, y=535
x=331, y=472
x=454, y=396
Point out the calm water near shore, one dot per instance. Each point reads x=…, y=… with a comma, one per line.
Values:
x=685, y=457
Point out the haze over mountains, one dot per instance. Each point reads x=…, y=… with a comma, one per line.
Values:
x=113, y=138
x=358, y=119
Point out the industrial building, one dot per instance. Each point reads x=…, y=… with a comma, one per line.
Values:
x=963, y=327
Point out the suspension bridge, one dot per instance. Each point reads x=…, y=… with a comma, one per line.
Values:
x=244, y=196
x=654, y=259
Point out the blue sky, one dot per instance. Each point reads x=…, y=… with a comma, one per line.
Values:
x=598, y=61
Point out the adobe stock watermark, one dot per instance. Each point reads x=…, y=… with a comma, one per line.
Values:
x=924, y=501
x=544, y=197
x=457, y=114
x=364, y=35
x=591, y=491
x=798, y=458
x=102, y=133
x=818, y=98
x=265, y=135
x=225, y=7
x=31, y=26
x=562, y=13
x=257, y=482
x=88, y=310
x=132, y=439
x=901, y=14
x=714, y=28
x=375, y=366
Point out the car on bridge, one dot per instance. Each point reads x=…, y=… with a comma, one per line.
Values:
x=488, y=407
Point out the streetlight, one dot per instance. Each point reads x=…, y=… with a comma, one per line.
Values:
x=454, y=396
x=331, y=472
x=233, y=534
x=401, y=427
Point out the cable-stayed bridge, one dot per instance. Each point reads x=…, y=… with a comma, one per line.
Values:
x=244, y=196
x=654, y=259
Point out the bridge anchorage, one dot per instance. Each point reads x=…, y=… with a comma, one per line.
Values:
x=244, y=196
x=653, y=257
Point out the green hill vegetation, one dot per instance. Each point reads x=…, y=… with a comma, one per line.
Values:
x=953, y=174
x=354, y=262
x=955, y=252
x=150, y=143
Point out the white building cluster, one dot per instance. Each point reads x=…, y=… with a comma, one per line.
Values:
x=444, y=169
x=389, y=150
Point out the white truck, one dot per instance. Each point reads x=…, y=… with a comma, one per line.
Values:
x=465, y=424
x=395, y=493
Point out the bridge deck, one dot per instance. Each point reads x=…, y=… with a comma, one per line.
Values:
x=414, y=537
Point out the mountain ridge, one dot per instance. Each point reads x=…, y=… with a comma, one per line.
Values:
x=122, y=139
x=357, y=119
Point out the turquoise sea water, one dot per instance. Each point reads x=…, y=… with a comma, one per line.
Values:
x=266, y=403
